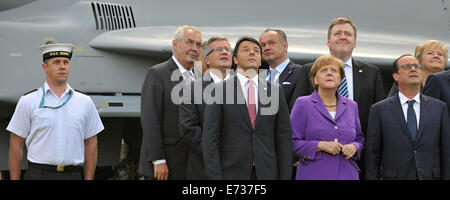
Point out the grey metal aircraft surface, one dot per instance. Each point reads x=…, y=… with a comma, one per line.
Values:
x=118, y=40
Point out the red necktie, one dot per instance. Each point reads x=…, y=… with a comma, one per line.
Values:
x=251, y=103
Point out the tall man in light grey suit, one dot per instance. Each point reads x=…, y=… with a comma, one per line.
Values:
x=163, y=153
x=408, y=135
x=244, y=137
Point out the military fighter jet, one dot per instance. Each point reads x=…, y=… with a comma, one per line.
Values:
x=117, y=41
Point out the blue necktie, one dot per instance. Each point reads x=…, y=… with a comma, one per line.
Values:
x=411, y=119
x=273, y=74
x=343, y=90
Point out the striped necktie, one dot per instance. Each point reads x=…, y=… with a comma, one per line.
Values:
x=343, y=89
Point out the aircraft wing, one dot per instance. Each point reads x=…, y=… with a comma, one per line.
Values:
x=138, y=41
x=304, y=44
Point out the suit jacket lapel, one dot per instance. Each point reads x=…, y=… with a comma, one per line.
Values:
x=172, y=64
x=357, y=79
x=286, y=73
x=397, y=111
x=264, y=88
x=424, y=114
x=173, y=68
x=319, y=106
x=239, y=98
x=341, y=106
x=206, y=80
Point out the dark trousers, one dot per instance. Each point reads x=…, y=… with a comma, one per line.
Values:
x=39, y=173
x=253, y=177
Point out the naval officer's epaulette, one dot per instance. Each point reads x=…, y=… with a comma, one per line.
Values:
x=29, y=92
x=79, y=91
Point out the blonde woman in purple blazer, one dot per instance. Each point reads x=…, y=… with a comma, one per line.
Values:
x=327, y=133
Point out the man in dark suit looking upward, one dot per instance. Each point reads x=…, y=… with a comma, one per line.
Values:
x=191, y=113
x=247, y=137
x=362, y=82
x=408, y=135
x=292, y=78
x=163, y=154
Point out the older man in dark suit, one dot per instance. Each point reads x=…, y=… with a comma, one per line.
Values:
x=409, y=134
x=191, y=113
x=163, y=154
x=248, y=135
x=438, y=86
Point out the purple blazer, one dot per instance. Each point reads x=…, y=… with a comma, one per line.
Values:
x=311, y=123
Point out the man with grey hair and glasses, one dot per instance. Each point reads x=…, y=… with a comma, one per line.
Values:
x=191, y=113
x=408, y=136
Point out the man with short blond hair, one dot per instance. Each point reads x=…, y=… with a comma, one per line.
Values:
x=362, y=82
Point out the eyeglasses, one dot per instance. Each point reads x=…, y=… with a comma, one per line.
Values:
x=219, y=49
x=409, y=66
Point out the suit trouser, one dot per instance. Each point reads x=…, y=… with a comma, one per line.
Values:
x=34, y=172
x=253, y=177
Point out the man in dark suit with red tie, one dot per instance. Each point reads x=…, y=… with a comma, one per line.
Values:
x=248, y=135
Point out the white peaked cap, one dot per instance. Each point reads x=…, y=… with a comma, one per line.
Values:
x=56, y=50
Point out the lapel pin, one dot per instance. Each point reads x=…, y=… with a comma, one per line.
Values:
x=360, y=70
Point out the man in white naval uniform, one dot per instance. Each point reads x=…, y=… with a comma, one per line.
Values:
x=58, y=125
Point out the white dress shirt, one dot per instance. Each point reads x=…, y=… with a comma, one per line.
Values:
x=217, y=79
x=416, y=106
x=55, y=136
x=333, y=114
x=279, y=69
x=244, y=85
x=184, y=70
x=349, y=75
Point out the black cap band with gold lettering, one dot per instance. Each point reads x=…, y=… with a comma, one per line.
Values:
x=55, y=54
x=56, y=50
